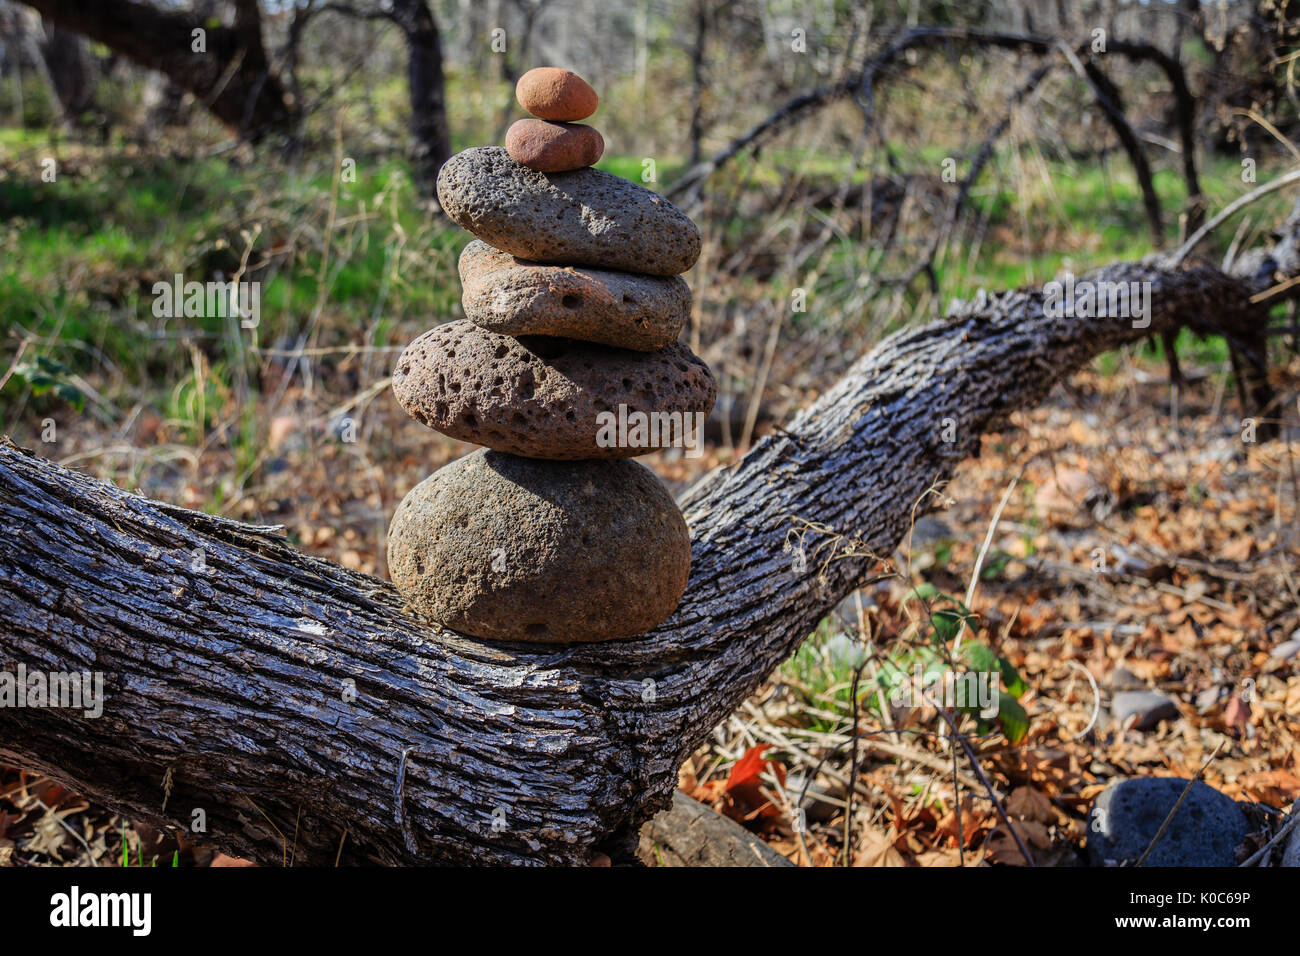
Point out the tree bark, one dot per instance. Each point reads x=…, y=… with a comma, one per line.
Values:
x=427, y=90
x=233, y=78
x=299, y=706
x=72, y=72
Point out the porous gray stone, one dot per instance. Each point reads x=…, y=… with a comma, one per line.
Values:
x=1126, y=816
x=541, y=397
x=583, y=217
x=518, y=549
x=514, y=297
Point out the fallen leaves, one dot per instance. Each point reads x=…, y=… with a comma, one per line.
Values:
x=1159, y=554
x=744, y=795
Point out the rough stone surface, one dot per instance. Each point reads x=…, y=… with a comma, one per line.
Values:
x=552, y=93
x=553, y=147
x=517, y=549
x=540, y=397
x=1148, y=706
x=584, y=217
x=1126, y=816
x=508, y=295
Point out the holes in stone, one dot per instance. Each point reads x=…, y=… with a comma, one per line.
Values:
x=628, y=300
x=440, y=409
x=471, y=421
x=570, y=416
x=518, y=419
x=571, y=301
x=544, y=346
x=502, y=351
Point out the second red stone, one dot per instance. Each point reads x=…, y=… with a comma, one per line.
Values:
x=553, y=147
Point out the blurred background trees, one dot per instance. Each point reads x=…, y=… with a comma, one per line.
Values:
x=832, y=157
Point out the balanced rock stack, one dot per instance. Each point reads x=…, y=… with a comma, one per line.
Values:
x=565, y=368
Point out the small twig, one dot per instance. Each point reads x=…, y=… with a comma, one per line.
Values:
x=1229, y=210
x=1292, y=819
x=853, y=764
x=1174, y=810
x=979, y=772
x=13, y=366
x=284, y=844
x=984, y=550
x=64, y=823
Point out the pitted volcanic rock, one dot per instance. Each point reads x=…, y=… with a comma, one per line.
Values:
x=518, y=549
x=585, y=217
x=514, y=297
x=541, y=397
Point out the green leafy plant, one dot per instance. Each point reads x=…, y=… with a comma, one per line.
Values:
x=946, y=616
x=46, y=375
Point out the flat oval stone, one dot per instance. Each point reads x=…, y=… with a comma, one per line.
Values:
x=545, y=397
x=552, y=93
x=553, y=147
x=584, y=217
x=517, y=549
x=514, y=297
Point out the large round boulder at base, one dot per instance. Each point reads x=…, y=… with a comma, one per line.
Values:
x=585, y=217
x=514, y=297
x=518, y=549
x=1126, y=816
x=552, y=397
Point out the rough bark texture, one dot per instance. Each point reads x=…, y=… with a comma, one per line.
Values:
x=228, y=686
x=233, y=78
x=426, y=89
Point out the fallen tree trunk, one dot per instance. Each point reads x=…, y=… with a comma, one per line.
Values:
x=299, y=710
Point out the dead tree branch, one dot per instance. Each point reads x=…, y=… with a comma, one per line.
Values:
x=292, y=701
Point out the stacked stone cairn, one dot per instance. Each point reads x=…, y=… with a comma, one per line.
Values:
x=574, y=302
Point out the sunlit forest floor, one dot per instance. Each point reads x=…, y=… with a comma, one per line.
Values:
x=1143, y=544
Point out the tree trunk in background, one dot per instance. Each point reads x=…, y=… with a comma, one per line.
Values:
x=73, y=74
x=428, y=93
x=233, y=78
x=701, y=37
x=298, y=706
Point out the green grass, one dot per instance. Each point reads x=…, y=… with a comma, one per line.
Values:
x=80, y=255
